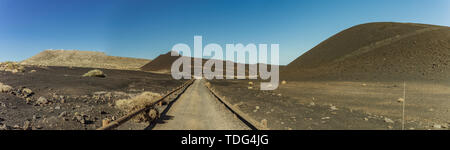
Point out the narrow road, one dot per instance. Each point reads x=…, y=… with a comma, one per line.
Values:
x=198, y=109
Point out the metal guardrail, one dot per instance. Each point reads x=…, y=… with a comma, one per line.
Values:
x=121, y=120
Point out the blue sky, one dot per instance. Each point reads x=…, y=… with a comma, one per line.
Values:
x=146, y=29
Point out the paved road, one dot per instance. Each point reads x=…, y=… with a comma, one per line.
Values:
x=198, y=109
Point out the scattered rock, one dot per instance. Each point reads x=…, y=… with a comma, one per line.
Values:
x=95, y=73
x=366, y=119
x=13, y=67
x=64, y=119
x=437, y=126
x=32, y=71
x=57, y=107
x=82, y=118
x=5, y=88
x=333, y=108
x=283, y=82
x=388, y=120
x=28, y=100
x=16, y=127
x=27, y=125
x=26, y=92
x=4, y=127
x=325, y=118
x=400, y=100
x=55, y=96
x=42, y=101
x=62, y=114
x=312, y=104
x=37, y=127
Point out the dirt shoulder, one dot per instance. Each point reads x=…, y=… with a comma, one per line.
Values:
x=71, y=101
x=323, y=105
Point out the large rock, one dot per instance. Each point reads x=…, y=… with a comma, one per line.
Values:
x=5, y=88
x=4, y=127
x=12, y=67
x=95, y=73
x=42, y=101
x=387, y=120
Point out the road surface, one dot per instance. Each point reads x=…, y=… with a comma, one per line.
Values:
x=198, y=109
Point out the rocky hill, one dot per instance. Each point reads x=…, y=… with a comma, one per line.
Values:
x=87, y=59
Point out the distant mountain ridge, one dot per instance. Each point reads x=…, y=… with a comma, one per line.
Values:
x=87, y=59
x=163, y=64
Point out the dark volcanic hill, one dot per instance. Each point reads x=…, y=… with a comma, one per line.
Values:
x=378, y=52
x=163, y=64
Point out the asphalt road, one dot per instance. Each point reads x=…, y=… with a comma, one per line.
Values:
x=198, y=109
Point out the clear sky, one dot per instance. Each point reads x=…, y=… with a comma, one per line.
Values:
x=146, y=29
